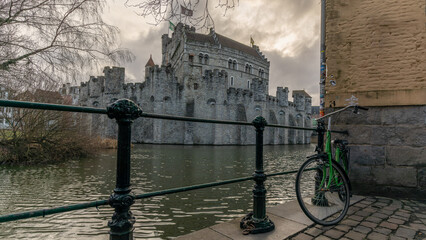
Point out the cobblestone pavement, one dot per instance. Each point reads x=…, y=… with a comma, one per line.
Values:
x=375, y=218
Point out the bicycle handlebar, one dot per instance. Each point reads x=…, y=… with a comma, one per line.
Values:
x=356, y=107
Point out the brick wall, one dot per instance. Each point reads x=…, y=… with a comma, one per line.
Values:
x=376, y=52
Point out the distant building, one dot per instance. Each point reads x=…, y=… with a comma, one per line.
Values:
x=204, y=76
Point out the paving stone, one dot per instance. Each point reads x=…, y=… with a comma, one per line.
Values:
x=401, y=217
x=380, y=215
x=350, y=222
x=370, y=209
x=384, y=200
x=314, y=231
x=361, y=205
x=356, y=217
x=420, y=215
x=334, y=233
x=405, y=232
x=393, y=237
x=203, y=234
x=402, y=211
x=355, y=235
x=362, y=229
x=342, y=227
x=363, y=213
x=324, y=228
x=402, y=214
x=383, y=230
x=396, y=220
x=353, y=209
x=387, y=212
x=322, y=238
x=391, y=207
x=376, y=236
x=380, y=204
x=302, y=236
x=389, y=225
x=373, y=199
x=369, y=224
x=374, y=219
x=407, y=208
x=417, y=226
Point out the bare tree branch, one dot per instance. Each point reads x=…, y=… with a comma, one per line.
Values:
x=170, y=10
x=53, y=40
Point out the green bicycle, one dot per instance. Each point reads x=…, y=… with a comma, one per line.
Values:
x=323, y=188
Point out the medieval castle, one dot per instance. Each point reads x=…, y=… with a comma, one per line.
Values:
x=204, y=76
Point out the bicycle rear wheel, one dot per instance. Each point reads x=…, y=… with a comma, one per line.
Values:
x=322, y=191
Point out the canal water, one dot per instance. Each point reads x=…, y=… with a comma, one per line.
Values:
x=154, y=167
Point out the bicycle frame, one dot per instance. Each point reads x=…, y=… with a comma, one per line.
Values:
x=328, y=152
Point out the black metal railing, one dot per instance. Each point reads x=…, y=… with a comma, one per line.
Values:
x=124, y=111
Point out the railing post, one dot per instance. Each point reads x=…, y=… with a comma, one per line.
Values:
x=258, y=222
x=321, y=131
x=124, y=112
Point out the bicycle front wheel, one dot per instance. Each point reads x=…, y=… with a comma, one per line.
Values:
x=322, y=191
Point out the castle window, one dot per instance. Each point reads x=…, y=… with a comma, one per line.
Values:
x=250, y=69
x=232, y=81
x=191, y=58
x=248, y=84
x=211, y=102
x=206, y=59
x=234, y=65
x=200, y=58
x=229, y=63
x=260, y=70
x=247, y=68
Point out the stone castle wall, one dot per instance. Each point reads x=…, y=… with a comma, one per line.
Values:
x=376, y=52
x=205, y=97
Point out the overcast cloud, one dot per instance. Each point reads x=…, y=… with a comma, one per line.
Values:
x=287, y=32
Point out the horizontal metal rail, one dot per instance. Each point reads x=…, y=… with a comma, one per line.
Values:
x=48, y=106
x=50, y=211
x=68, y=108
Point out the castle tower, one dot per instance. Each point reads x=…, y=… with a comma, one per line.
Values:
x=282, y=96
x=114, y=79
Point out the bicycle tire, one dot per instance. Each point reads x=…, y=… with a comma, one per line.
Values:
x=323, y=205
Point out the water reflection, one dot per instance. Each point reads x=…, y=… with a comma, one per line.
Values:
x=154, y=168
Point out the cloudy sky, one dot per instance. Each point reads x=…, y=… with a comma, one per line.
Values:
x=287, y=32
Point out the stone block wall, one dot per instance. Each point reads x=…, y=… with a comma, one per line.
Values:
x=387, y=149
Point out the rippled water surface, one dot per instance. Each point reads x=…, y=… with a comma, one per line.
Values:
x=154, y=167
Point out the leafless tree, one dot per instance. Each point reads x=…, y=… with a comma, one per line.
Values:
x=49, y=41
x=193, y=12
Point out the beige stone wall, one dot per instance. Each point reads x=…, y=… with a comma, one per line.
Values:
x=376, y=51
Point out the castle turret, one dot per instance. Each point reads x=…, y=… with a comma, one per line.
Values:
x=114, y=79
x=299, y=99
x=259, y=88
x=282, y=96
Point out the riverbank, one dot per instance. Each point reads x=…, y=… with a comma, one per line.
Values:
x=368, y=218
